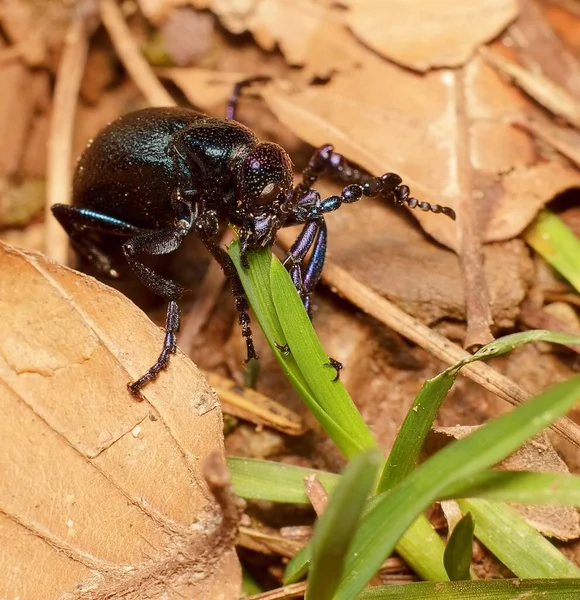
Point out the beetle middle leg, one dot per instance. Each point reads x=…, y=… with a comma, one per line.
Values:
x=151, y=244
x=240, y=300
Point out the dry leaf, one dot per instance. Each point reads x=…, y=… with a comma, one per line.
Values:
x=537, y=456
x=103, y=496
x=204, y=88
x=544, y=91
x=289, y=24
x=423, y=34
x=387, y=254
x=446, y=133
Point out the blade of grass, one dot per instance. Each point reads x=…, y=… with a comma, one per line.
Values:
x=256, y=282
x=419, y=419
x=312, y=360
x=491, y=589
x=518, y=545
x=334, y=530
x=276, y=482
x=550, y=237
x=457, y=557
x=484, y=447
x=518, y=486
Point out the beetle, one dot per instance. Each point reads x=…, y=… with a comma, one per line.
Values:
x=156, y=175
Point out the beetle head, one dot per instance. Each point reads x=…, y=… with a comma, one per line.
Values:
x=264, y=182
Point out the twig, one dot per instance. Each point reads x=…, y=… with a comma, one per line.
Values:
x=254, y=407
x=59, y=171
x=294, y=590
x=470, y=248
x=544, y=91
x=316, y=493
x=552, y=135
x=131, y=57
x=393, y=317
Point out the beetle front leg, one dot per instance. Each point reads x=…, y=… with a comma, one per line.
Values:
x=313, y=235
x=388, y=185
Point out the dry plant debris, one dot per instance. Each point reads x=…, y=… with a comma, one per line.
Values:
x=475, y=104
x=537, y=456
x=107, y=496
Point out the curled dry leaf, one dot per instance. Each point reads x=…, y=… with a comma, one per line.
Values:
x=431, y=129
x=102, y=496
x=537, y=456
x=423, y=34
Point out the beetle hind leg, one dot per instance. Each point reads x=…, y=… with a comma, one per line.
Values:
x=80, y=223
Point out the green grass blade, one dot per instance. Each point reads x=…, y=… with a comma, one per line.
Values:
x=374, y=540
x=276, y=482
x=334, y=530
x=256, y=282
x=518, y=486
x=418, y=422
x=312, y=360
x=419, y=419
x=491, y=589
x=298, y=566
x=550, y=237
x=459, y=549
x=518, y=545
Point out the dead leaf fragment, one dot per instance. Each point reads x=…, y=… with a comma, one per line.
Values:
x=103, y=496
x=538, y=456
x=289, y=24
x=425, y=34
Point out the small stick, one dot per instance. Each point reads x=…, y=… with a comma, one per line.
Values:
x=131, y=57
x=60, y=140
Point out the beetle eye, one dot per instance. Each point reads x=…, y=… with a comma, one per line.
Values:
x=268, y=194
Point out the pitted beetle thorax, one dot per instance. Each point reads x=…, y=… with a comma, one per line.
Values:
x=266, y=175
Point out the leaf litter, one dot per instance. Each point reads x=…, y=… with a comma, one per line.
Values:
x=477, y=110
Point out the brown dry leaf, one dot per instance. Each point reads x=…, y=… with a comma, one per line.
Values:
x=423, y=34
x=289, y=24
x=537, y=456
x=543, y=90
x=103, y=496
x=204, y=88
x=39, y=28
x=389, y=255
x=446, y=133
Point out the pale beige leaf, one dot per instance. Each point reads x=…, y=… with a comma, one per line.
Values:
x=102, y=496
x=423, y=34
x=204, y=88
x=290, y=24
x=537, y=456
x=433, y=130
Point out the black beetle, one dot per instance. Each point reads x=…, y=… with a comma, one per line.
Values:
x=155, y=175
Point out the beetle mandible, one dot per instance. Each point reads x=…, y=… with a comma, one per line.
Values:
x=156, y=175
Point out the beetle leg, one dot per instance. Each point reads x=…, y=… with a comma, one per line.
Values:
x=151, y=244
x=240, y=300
x=388, y=185
x=233, y=99
x=313, y=235
x=79, y=222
